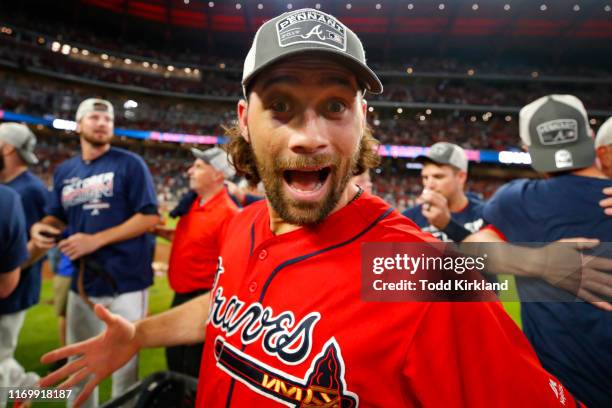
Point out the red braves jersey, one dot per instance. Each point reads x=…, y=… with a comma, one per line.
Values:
x=287, y=327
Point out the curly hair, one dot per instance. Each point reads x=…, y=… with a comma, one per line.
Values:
x=241, y=153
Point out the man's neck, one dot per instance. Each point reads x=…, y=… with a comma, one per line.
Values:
x=205, y=196
x=590, y=172
x=90, y=152
x=458, y=203
x=11, y=173
x=279, y=226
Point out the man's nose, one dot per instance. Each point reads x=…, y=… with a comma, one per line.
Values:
x=309, y=134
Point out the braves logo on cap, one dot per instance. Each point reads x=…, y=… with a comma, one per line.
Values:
x=558, y=131
x=311, y=27
x=323, y=386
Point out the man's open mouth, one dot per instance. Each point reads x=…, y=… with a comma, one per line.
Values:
x=307, y=180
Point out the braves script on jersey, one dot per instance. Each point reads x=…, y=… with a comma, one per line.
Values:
x=287, y=327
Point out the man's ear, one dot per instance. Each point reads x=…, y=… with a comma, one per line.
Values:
x=243, y=121
x=78, y=128
x=364, y=110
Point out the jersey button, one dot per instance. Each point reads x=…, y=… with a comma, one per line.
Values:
x=252, y=287
x=263, y=254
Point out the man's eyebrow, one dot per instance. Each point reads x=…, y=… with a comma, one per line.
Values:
x=339, y=80
x=327, y=80
x=279, y=79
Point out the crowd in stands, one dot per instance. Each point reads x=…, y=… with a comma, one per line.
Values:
x=401, y=89
x=39, y=96
x=169, y=165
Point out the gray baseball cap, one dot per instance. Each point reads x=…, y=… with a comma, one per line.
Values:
x=217, y=158
x=94, y=105
x=555, y=128
x=446, y=153
x=21, y=137
x=308, y=31
x=604, y=134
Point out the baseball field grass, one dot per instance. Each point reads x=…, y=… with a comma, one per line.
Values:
x=40, y=334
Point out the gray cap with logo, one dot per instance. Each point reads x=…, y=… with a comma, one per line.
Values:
x=555, y=128
x=94, y=105
x=308, y=31
x=21, y=137
x=446, y=153
x=217, y=158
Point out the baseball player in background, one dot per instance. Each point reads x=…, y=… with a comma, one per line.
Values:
x=444, y=209
x=603, y=146
x=196, y=241
x=572, y=339
x=13, y=242
x=17, y=144
x=106, y=199
x=284, y=323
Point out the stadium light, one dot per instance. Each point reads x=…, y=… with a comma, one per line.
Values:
x=130, y=104
x=65, y=49
x=576, y=7
x=238, y=6
x=289, y=6
x=400, y=110
x=260, y=6
x=55, y=46
x=104, y=56
x=186, y=1
x=170, y=68
x=593, y=121
x=507, y=7
x=349, y=6
x=409, y=70
x=154, y=66
x=62, y=124
x=428, y=112
x=410, y=6
x=85, y=52
x=471, y=72
x=607, y=8
x=508, y=118
x=543, y=7
x=535, y=74
x=378, y=6
x=441, y=6
x=475, y=6
x=127, y=61
x=41, y=40
x=318, y=6
x=422, y=118
x=211, y=4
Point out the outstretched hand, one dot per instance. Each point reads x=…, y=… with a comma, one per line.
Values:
x=96, y=358
x=589, y=276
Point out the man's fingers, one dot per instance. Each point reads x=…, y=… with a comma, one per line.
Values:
x=89, y=387
x=63, y=352
x=74, y=379
x=582, y=242
x=608, y=191
x=597, y=282
x=104, y=315
x=66, y=371
x=594, y=300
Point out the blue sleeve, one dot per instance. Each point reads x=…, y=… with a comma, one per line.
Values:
x=13, y=234
x=414, y=213
x=54, y=202
x=141, y=192
x=504, y=209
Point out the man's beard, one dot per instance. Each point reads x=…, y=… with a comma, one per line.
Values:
x=95, y=142
x=305, y=212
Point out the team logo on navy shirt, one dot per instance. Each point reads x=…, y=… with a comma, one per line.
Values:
x=323, y=385
x=89, y=191
x=558, y=131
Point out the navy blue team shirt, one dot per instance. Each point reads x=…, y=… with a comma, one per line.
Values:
x=96, y=195
x=470, y=218
x=13, y=237
x=572, y=339
x=34, y=197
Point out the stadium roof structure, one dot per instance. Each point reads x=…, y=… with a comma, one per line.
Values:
x=557, y=28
